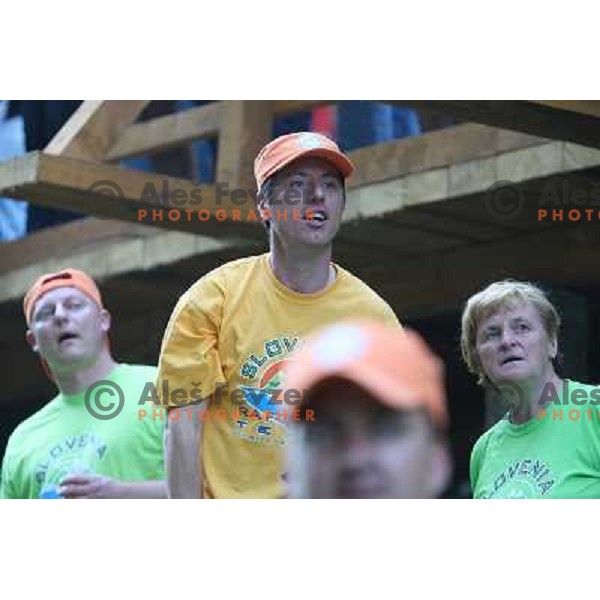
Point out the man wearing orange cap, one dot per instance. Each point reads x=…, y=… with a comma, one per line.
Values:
x=88, y=441
x=234, y=330
x=372, y=416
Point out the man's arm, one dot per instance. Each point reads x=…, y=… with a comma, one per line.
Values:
x=189, y=360
x=183, y=454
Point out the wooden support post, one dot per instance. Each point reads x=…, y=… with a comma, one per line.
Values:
x=246, y=126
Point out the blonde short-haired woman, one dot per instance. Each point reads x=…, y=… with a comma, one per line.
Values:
x=548, y=444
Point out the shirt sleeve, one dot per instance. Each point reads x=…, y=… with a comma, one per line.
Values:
x=154, y=441
x=477, y=455
x=6, y=478
x=189, y=367
x=390, y=317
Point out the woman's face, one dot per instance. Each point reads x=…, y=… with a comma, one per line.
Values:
x=513, y=345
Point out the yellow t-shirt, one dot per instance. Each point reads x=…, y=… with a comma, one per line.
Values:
x=236, y=327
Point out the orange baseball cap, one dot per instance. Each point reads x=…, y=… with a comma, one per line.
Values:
x=395, y=366
x=67, y=278
x=283, y=150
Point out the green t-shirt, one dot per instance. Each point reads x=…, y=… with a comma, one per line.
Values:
x=64, y=438
x=554, y=455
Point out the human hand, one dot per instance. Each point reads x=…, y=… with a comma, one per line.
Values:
x=89, y=487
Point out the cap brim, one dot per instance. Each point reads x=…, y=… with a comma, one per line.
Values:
x=340, y=161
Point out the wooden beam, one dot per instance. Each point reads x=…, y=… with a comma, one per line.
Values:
x=416, y=171
x=94, y=128
x=425, y=285
x=112, y=259
x=168, y=131
x=392, y=181
x=585, y=107
x=433, y=150
x=428, y=189
x=528, y=117
x=186, y=126
x=117, y=193
x=246, y=126
x=68, y=239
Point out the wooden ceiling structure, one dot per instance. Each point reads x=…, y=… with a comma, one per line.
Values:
x=420, y=227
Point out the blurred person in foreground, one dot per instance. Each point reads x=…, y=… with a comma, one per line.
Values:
x=372, y=417
x=88, y=441
x=548, y=443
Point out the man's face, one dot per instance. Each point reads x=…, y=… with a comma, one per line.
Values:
x=357, y=448
x=513, y=345
x=68, y=328
x=306, y=184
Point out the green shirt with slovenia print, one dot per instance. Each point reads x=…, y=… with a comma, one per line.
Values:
x=554, y=455
x=65, y=438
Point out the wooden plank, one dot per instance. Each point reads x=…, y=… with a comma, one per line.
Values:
x=461, y=190
x=110, y=259
x=167, y=132
x=585, y=107
x=245, y=128
x=432, y=150
x=94, y=128
x=529, y=117
x=68, y=239
x=117, y=193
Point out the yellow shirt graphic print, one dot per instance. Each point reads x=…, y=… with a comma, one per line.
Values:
x=264, y=406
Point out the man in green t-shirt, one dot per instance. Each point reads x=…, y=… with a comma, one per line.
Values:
x=93, y=440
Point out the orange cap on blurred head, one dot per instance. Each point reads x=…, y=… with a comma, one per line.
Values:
x=283, y=150
x=67, y=278
x=396, y=367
